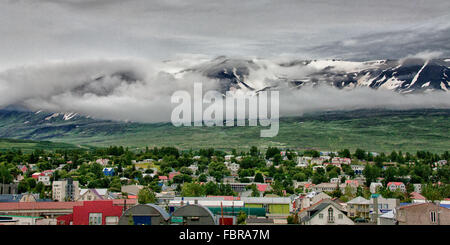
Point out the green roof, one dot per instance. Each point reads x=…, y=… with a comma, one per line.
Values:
x=18, y=216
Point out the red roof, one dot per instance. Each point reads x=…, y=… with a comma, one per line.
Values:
x=394, y=183
x=9, y=206
x=173, y=174
x=162, y=177
x=261, y=187
x=228, y=198
x=308, y=185
x=417, y=196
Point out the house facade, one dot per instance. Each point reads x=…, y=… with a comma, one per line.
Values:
x=393, y=186
x=423, y=214
x=65, y=190
x=325, y=212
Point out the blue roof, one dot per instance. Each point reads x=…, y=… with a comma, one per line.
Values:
x=445, y=205
x=405, y=203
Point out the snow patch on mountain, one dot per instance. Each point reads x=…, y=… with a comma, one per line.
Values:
x=52, y=116
x=68, y=116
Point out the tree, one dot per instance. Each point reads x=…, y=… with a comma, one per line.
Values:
x=211, y=188
x=259, y=178
x=292, y=219
x=431, y=192
x=360, y=154
x=192, y=190
x=146, y=195
x=255, y=191
x=242, y=217
x=345, y=153
x=202, y=178
x=5, y=175
x=371, y=173
x=254, y=151
x=272, y=151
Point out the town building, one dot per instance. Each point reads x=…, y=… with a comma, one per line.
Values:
x=417, y=188
x=358, y=169
x=93, y=213
x=194, y=214
x=145, y=214
x=65, y=190
x=417, y=198
x=94, y=194
x=423, y=214
x=393, y=186
x=108, y=171
x=9, y=188
x=309, y=199
x=131, y=189
x=359, y=207
x=374, y=186
x=325, y=212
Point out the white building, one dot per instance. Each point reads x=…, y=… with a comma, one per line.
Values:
x=393, y=186
x=193, y=168
x=373, y=187
x=45, y=179
x=417, y=188
x=102, y=162
x=234, y=168
x=325, y=213
x=303, y=161
x=65, y=190
x=228, y=157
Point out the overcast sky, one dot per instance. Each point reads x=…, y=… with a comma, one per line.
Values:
x=34, y=31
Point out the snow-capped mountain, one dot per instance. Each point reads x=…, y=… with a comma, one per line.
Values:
x=410, y=75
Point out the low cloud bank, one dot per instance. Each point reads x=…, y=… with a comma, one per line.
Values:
x=141, y=90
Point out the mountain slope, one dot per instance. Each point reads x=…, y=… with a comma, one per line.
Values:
x=375, y=130
x=404, y=76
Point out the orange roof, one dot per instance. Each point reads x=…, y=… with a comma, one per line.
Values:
x=38, y=205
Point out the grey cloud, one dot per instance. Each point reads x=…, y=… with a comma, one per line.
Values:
x=141, y=90
x=36, y=31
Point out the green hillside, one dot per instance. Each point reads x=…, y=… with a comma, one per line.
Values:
x=373, y=130
x=31, y=145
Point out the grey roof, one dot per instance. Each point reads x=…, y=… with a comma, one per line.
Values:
x=359, y=200
x=321, y=206
x=260, y=221
x=163, y=212
x=177, y=211
x=10, y=197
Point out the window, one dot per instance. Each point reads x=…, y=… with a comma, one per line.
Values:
x=433, y=216
x=95, y=218
x=112, y=220
x=386, y=206
x=330, y=215
x=320, y=216
x=340, y=216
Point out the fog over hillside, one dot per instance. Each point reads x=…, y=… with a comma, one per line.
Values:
x=140, y=90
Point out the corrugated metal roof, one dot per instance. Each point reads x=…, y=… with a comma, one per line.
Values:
x=163, y=212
